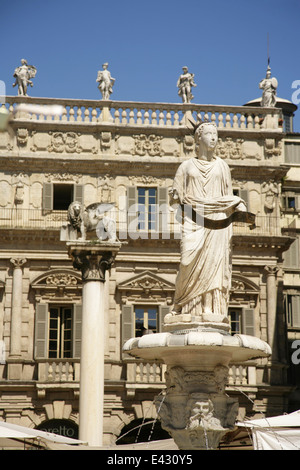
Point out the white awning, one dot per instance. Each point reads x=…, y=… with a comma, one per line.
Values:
x=9, y=431
x=275, y=433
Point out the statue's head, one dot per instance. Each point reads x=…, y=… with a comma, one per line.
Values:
x=206, y=133
x=105, y=65
x=268, y=74
x=23, y=61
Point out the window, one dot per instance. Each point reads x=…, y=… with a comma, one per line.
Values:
x=145, y=320
x=235, y=320
x=136, y=319
x=292, y=152
x=291, y=201
x=147, y=209
x=243, y=194
x=60, y=332
x=57, y=331
x=242, y=321
x=62, y=196
x=58, y=196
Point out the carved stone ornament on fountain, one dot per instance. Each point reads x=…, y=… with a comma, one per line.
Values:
x=196, y=344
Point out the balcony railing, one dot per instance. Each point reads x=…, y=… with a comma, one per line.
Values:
x=147, y=114
x=139, y=374
x=15, y=218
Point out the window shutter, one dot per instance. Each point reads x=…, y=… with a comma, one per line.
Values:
x=77, y=322
x=163, y=311
x=78, y=193
x=162, y=210
x=291, y=256
x=132, y=212
x=248, y=327
x=127, y=323
x=41, y=331
x=47, y=196
x=295, y=311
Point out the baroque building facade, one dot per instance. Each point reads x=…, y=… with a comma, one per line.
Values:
x=127, y=153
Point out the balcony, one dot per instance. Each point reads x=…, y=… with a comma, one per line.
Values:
x=37, y=219
x=138, y=114
x=140, y=375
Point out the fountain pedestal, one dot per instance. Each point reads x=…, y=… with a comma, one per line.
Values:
x=195, y=409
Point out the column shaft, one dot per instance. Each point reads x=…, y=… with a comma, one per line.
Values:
x=16, y=309
x=92, y=364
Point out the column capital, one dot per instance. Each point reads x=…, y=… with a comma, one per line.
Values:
x=93, y=259
x=18, y=262
x=93, y=266
x=271, y=270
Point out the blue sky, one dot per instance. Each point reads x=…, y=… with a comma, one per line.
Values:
x=146, y=43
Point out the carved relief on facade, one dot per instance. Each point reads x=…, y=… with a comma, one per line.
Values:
x=230, y=148
x=272, y=148
x=64, y=142
x=57, y=284
x=145, y=180
x=146, y=285
x=270, y=190
x=73, y=177
x=105, y=140
x=188, y=144
x=22, y=135
x=147, y=145
x=107, y=188
x=243, y=291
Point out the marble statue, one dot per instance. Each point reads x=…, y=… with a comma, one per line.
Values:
x=269, y=86
x=185, y=84
x=105, y=81
x=85, y=219
x=23, y=75
x=202, y=187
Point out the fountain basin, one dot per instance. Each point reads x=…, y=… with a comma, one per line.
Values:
x=199, y=347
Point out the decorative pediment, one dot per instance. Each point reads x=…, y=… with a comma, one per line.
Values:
x=242, y=284
x=146, y=285
x=57, y=283
x=243, y=291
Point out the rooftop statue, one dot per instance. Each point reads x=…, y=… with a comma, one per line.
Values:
x=185, y=84
x=106, y=82
x=269, y=86
x=202, y=186
x=23, y=75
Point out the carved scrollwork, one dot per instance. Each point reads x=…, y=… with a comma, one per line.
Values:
x=64, y=142
x=230, y=148
x=147, y=145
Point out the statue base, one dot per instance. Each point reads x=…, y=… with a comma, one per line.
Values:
x=184, y=322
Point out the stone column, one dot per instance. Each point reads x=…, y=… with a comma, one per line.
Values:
x=271, y=308
x=16, y=308
x=92, y=260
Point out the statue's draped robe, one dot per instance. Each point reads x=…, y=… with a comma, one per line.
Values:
x=204, y=278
